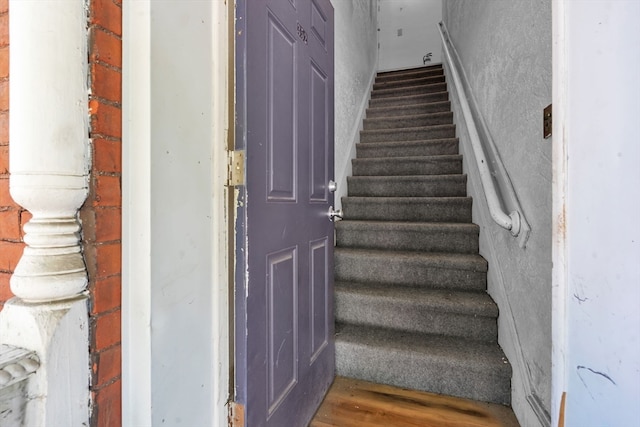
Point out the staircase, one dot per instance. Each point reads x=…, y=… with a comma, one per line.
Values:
x=410, y=294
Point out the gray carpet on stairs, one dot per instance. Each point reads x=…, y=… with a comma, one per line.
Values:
x=410, y=296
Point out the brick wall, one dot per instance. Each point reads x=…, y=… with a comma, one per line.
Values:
x=11, y=215
x=101, y=214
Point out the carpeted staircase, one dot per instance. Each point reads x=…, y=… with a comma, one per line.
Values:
x=410, y=294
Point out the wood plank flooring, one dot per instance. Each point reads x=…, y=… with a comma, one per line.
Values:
x=354, y=403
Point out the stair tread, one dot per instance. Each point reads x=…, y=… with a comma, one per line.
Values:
x=435, y=157
x=370, y=145
x=386, y=178
x=408, y=82
x=417, y=200
x=407, y=225
x=462, y=352
x=443, y=260
x=477, y=303
x=411, y=116
x=419, y=89
x=409, y=97
x=408, y=129
x=411, y=106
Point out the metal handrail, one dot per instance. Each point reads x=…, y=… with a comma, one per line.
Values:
x=509, y=221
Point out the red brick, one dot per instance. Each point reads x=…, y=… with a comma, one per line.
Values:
x=4, y=128
x=108, y=224
x=5, y=196
x=4, y=160
x=106, y=120
x=10, y=253
x=5, y=291
x=4, y=95
x=107, y=155
x=105, y=47
x=108, y=260
x=106, y=331
x=10, y=224
x=106, y=366
x=107, y=294
x=106, y=83
x=106, y=191
x=4, y=29
x=108, y=406
x=4, y=62
x=107, y=14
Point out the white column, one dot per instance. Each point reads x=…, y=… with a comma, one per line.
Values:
x=49, y=177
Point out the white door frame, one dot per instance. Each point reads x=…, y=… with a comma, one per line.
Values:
x=137, y=236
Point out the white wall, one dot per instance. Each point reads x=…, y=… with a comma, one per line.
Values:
x=356, y=56
x=408, y=32
x=597, y=252
x=175, y=324
x=505, y=50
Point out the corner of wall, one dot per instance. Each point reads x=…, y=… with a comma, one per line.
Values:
x=343, y=169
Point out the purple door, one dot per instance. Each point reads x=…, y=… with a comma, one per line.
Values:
x=284, y=239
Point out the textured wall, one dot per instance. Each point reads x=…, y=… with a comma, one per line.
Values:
x=505, y=50
x=355, y=62
x=418, y=20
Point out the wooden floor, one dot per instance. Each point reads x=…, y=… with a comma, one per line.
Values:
x=353, y=403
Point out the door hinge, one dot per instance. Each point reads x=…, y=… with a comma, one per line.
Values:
x=236, y=168
x=236, y=414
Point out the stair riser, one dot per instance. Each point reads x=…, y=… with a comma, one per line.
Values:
x=445, y=118
x=402, y=272
x=410, y=240
x=453, y=210
x=435, y=375
x=408, y=149
x=410, y=134
x=408, y=100
x=366, y=187
x=409, y=74
x=389, y=167
x=407, y=316
x=409, y=90
x=392, y=84
x=408, y=110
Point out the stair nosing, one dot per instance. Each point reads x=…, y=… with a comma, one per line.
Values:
x=475, y=259
x=423, y=297
x=416, y=88
x=459, y=345
x=409, y=97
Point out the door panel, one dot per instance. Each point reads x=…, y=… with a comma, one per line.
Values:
x=281, y=119
x=284, y=315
